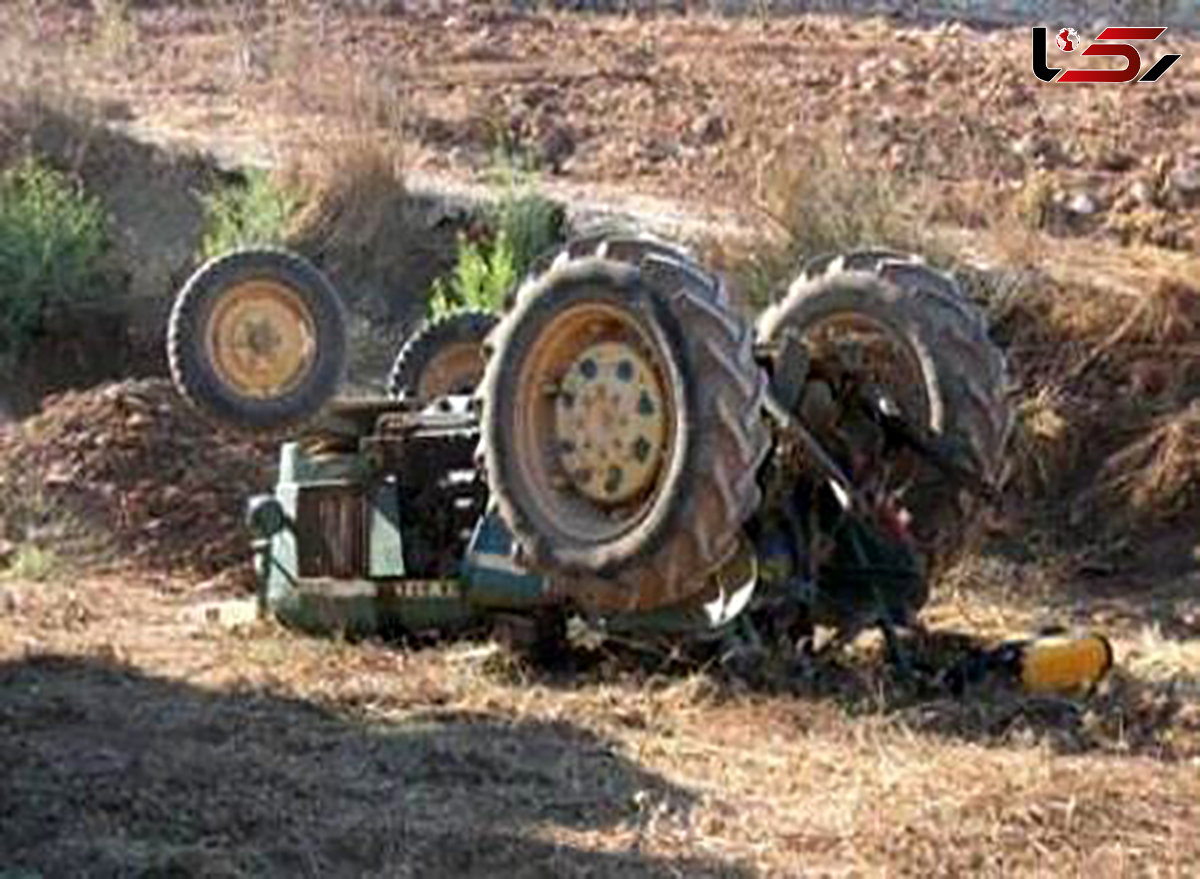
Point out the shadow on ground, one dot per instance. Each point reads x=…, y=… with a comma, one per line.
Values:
x=106, y=771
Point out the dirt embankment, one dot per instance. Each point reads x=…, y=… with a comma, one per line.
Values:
x=154, y=217
x=356, y=209
x=126, y=474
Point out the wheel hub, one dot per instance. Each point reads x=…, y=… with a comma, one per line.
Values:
x=456, y=369
x=261, y=339
x=611, y=423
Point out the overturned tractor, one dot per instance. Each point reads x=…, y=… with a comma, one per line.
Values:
x=620, y=444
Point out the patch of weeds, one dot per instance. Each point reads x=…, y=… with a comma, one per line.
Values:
x=1033, y=203
x=507, y=237
x=759, y=273
x=828, y=204
x=116, y=31
x=34, y=563
x=531, y=223
x=483, y=274
x=258, y=212
x=53, y=237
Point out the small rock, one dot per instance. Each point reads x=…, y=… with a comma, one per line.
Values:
x=540, y=95
x=1116, y=160
x=710, y=129
x=1142, y=193
x=656, y=151
x=1185, y=180
x=556, y=146
x=1083, y=204
x=226, y=614
x=1042, y=150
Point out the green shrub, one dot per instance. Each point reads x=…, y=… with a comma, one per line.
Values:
x=519, y=226
x=33, y=563
x=482, y=276
x=52, y=239
x=529, y=222
x=257, y=212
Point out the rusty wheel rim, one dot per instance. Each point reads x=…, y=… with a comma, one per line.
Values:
x=455, y=369
x=884, y=358
x=609, y=423
x=595, y=422
x=878, y=356
x=261, y=339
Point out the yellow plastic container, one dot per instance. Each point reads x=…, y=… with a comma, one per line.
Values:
x=1065, y=664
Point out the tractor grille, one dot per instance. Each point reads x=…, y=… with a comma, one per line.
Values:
x=331, y=532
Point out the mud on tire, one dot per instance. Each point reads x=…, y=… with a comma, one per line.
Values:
x=701, y=357
x=963, y=371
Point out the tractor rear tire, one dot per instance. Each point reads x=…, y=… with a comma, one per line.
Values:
x=963, y=372
x=714, y=437
x=257, y=341
x=442, y=357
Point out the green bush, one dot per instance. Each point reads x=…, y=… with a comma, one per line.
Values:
x=519, y=226
x=52, y=239
x=529, y=223
x=257, y=212
x=33, y=563
x=482, y=276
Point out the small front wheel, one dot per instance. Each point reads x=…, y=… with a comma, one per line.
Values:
x=257, y=341
x=442, y=357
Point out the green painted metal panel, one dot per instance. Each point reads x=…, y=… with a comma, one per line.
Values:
x=385, y=550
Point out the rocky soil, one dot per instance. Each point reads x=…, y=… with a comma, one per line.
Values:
x=703, y=109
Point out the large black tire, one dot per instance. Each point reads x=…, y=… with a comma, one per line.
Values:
x=442, y=357
x=963, y=373
x=197, y=371
x=708, y=489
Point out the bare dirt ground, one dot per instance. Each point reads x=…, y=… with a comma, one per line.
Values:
x=705, y=110
x=137, y=739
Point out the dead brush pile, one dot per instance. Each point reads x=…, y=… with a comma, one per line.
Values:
x=127, y=470
x=1158, y=476
x=1107, y=383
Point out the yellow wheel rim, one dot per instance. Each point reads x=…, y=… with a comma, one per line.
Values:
x=610, y=423
x=261, y=339
x=592, y=384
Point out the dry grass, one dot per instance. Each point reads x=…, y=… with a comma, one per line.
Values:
x=1104, y=351
x=137, y=741
x=1158, y=476
x=354, y=192
x=825, y=202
